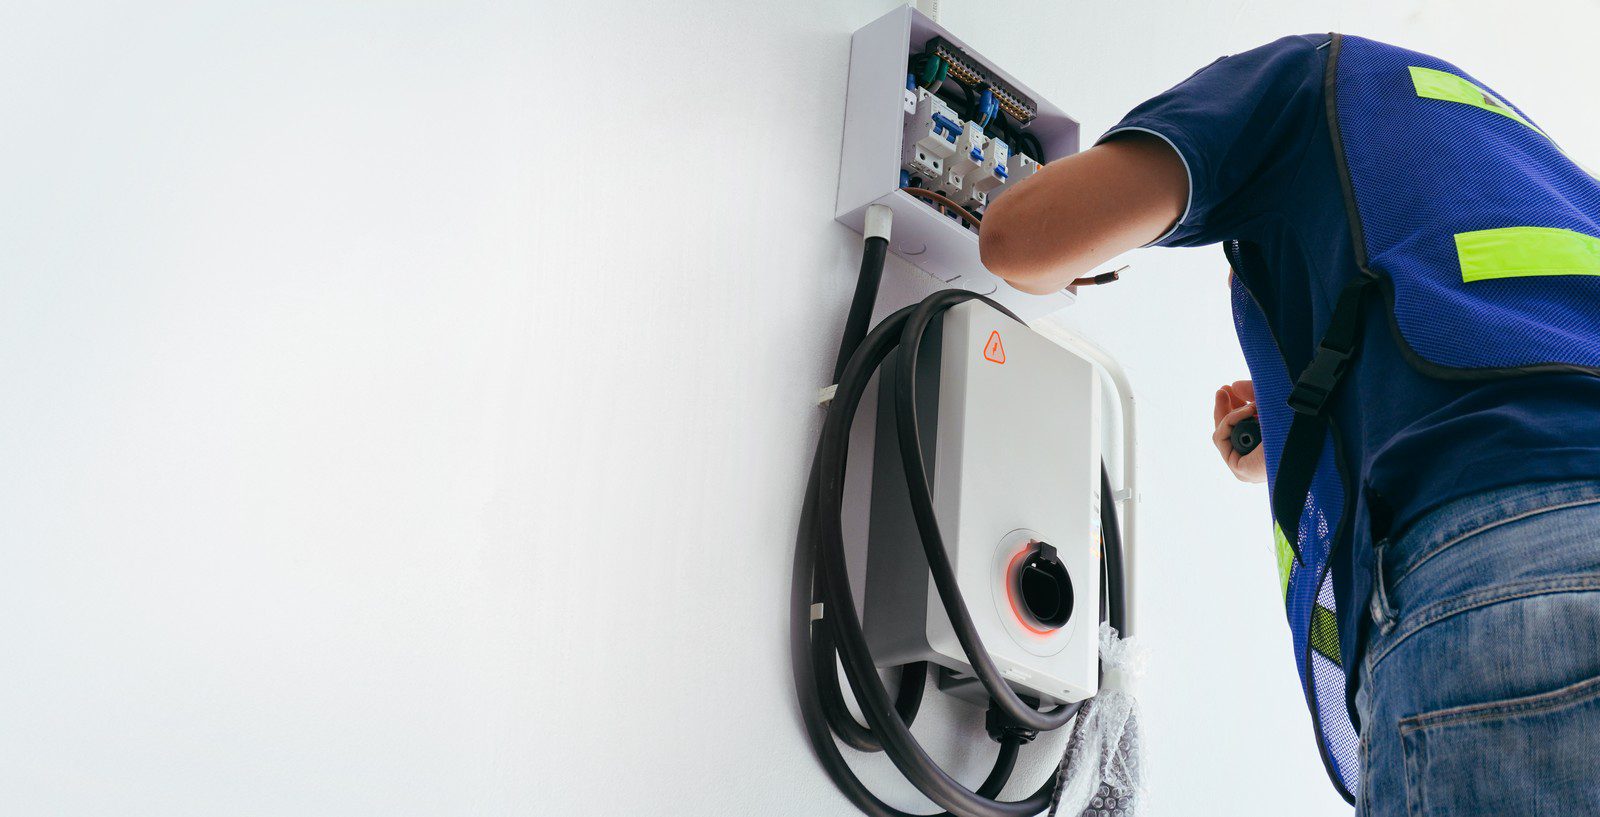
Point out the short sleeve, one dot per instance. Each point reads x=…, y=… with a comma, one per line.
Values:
x=1240, y=125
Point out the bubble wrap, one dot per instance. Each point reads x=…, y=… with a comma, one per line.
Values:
x=1102, y=771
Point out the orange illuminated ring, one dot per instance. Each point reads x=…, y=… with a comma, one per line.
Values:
x=1011, y=599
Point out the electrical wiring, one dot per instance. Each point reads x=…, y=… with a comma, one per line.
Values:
x=946, y=201
x=1102, y=278
x=965, y=99
x=988, y=105
x=930, y=71
x=1001, y=129
x=969, y=99
x=1032, y=141
x=979, y=100
x=1021, y=140
x=975, y=219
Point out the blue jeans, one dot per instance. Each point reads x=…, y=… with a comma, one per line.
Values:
x=1479, y=689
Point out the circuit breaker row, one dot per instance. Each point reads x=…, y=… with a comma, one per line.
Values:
x=952, y=156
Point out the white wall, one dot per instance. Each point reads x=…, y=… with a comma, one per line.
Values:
x=405, y=406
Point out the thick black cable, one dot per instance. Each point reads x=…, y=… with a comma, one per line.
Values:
x=856, y=323
x=913, y=677
x=907, y=700
x=1004, y=764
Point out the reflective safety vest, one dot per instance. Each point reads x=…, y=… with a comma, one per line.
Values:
x=1478, y=238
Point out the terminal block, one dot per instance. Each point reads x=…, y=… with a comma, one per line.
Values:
x=969, y=71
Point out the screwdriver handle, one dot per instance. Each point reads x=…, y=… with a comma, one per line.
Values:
x=1246, y=435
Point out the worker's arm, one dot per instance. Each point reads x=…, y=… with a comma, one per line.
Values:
x=1207, y=159
x=1081, y=211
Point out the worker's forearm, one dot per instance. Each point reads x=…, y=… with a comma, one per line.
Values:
x=1083, y=210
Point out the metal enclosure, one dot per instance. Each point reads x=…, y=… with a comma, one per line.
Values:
x=869, y=168
x=1010, y=425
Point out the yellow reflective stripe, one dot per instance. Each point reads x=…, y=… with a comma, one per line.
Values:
x=1324, y=635
x=1519, y=252
x=1285, y=558
x=1433, y=84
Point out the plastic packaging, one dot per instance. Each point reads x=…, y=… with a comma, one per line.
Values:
x=1102, y=772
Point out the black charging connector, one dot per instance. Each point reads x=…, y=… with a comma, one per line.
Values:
x=1045, y=587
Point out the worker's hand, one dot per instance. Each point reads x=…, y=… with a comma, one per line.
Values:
x=1234, y=403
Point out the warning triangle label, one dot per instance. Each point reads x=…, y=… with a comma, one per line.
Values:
x=994, y=351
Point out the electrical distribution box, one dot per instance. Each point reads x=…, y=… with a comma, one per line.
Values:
x=1010, y=427
x=929, y=118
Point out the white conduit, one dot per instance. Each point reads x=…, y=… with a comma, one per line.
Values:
x=1127, y=495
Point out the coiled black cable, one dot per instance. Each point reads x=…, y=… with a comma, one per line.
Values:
x=824, y=622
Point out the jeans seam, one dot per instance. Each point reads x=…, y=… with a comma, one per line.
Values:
x=1384, y=614
x=1476, y=713
x=1441, y=610
x=1364, y=682
x=1488, y=526
x=1412, y=772
x=1366, y=776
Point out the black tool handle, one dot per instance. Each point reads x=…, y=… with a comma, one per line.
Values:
x=1246, y=435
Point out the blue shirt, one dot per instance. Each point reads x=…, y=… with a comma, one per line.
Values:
x=1253, y=134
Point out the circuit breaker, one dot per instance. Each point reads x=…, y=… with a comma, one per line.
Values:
x=938, y=132
x=1010, y=428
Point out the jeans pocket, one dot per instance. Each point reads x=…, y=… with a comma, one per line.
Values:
x=1534, y=755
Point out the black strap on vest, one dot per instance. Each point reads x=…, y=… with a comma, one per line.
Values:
x=1302, y=447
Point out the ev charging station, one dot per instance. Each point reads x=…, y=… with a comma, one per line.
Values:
x=1015, y=457
x=998, y=549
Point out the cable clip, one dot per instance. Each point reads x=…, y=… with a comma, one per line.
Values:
x=1000, y=726
x=826, y=393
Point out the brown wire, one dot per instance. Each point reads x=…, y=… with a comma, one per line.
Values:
x=946, y=201
x=1102, y=278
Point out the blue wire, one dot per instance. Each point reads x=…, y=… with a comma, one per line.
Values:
x=988, y=105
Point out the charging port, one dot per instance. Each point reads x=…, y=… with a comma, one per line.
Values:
x=1044, y=588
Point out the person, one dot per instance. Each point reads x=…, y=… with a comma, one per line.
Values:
x=1415, y=269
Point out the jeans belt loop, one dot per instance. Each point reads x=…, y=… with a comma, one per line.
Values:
x=1383, y=613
